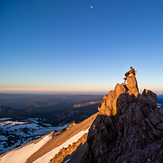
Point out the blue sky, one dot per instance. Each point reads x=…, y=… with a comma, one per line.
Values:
x=58, y=46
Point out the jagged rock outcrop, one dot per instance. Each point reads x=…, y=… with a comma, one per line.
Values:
x=72, y=124
x=129, y=127
x=59, y=157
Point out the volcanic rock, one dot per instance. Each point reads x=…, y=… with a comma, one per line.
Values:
x=72, y=124
x=128, y=128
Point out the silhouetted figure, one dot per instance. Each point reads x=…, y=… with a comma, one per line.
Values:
x=129, y=73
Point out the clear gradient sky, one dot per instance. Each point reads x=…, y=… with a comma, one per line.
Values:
x=58, y=46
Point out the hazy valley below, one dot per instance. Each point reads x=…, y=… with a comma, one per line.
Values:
x=52, y=107
x=24, y=118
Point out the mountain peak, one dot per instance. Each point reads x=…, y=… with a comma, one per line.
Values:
x=129, y=127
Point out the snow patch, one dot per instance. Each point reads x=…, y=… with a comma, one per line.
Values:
x=16, y=133
x=57, y=133
x=10, y=123
x=4, y=119
x=21, y=155
x=67, y=160
x=48, y=156
x=159, y=105
x=46, y=124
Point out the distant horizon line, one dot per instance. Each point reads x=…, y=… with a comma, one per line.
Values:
x=62, y=93
x=56, y=93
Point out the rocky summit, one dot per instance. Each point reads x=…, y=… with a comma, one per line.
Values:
x=128, y=128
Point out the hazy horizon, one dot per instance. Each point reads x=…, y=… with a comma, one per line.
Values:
x=65, y=93
x=56, y=93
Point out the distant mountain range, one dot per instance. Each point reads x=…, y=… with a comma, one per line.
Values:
x=64, y=113
x=160, y=100
x=87, y=104
x=160, y=96
x=9, y=112
x=20, y=126
x=26, y=101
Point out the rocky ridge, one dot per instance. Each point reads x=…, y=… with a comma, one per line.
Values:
x=128, y=128
x=61, y=155
x=72, y=124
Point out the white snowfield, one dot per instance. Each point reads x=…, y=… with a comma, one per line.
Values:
x=48, y=156
x=21, y=155
x=18, y=133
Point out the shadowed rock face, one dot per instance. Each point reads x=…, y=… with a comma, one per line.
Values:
x=129, y=127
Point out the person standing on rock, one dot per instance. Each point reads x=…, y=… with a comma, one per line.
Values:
x=129, y=73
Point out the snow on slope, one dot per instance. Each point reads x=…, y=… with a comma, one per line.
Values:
x=67, y=160
x=11, y=123
x=21, y=155
x=4, y=119
x=48, y=156
x=18, y=133
x=31, y=152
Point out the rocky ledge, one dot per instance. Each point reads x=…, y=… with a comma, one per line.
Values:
x=128, y=128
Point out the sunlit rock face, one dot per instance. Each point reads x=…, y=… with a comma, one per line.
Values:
x=120, y=97
x=132, y=85
x=129, y=127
